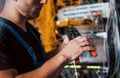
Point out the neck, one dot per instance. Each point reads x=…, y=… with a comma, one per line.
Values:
x=14, y=16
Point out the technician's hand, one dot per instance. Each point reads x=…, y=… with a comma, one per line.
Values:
x=76, y=47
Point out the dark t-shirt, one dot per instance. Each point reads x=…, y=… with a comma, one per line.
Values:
x=12, y=52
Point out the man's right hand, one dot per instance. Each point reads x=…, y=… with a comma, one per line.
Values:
x=75, y=47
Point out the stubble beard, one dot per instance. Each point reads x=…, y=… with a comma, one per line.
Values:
x=27, y=13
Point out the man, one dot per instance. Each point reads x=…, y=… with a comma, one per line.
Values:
x=15, y=59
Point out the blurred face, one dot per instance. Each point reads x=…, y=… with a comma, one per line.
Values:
x=30, y=8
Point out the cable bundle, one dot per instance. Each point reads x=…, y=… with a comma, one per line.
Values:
x=113, y=40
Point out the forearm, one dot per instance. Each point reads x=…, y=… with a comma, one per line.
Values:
x=49, y=70
x=55, y=51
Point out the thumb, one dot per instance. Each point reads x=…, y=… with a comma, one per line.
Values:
x=66, y=41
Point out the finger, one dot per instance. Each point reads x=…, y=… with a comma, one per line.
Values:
x=84, y=43
x=88, y=48
x=66, y=40
x=83, y=49
x=82, y=38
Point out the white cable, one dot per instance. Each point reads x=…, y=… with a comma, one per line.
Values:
x=76, y=73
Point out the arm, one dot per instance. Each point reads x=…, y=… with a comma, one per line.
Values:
x=57, y=49
x=48, y=70
x=70, y=52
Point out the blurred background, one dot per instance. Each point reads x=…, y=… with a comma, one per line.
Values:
x=89, y=18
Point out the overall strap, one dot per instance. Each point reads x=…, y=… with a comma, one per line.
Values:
x=24, y=43
x=39, y=42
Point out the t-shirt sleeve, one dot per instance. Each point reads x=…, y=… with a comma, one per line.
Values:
x=6, y=61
